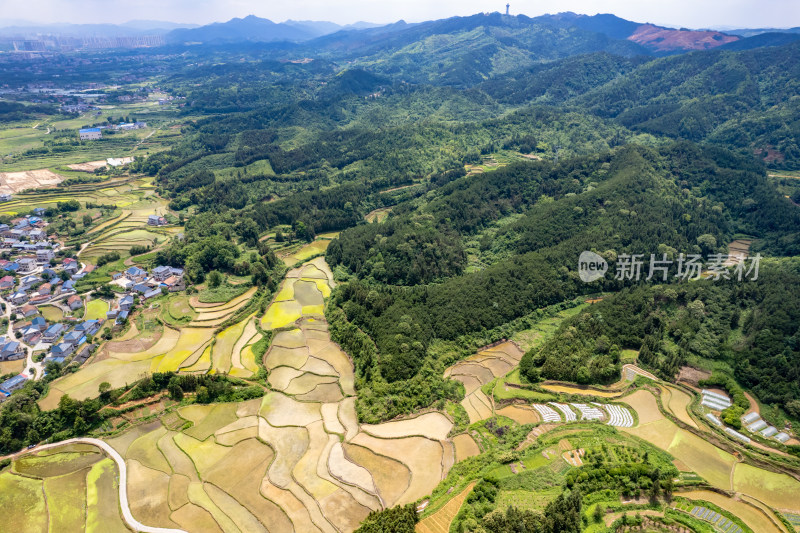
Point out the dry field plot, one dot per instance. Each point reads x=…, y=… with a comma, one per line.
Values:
x=563, y=389
x=439, y=522
x=521, y=414
x=14, y=182
x=480, y=369
x=757, y=519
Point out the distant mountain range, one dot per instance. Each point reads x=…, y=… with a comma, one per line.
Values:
x=580, y=33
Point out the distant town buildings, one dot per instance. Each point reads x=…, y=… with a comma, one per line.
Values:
x=90, y=134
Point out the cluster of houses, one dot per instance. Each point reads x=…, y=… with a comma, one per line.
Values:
x=93, y=134
x=136, y=280
x=39, y=288
x=27, y=243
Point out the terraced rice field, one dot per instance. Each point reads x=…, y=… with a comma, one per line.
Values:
x=294, y=460
x=480, y=369
x=307, y=251
x=302, y=294
x=181, y=349
x=677, y=402
x=756, y=519
x=563, y=389
x=439, y=522
x=70, y=489
x=699, y=455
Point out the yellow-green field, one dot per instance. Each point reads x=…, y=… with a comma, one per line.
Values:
x=96, y=309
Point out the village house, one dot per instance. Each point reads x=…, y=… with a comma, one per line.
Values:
x=123, y=316
x=11, y=350
x=152, y=293
x=18, y=298
x=75, y=338
x=62, y=349
x=156, y=220
x=141, y=288
x=90, y=134
x=11, y=266
x=6, y=282
x=27, y=311
x=27, y=264
x=31, y=335
x=53, y=332
x=39, y=323
x=69, y=285
x=39, y=211
x=160, y=273
x=174, y=284
x=89, y=327
x=84, y=354
x=126, y=302
x=74, y=302
x=44, y=256
x=136, y=274
x=10, y=385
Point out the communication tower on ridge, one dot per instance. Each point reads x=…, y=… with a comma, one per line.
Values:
x=508, y=6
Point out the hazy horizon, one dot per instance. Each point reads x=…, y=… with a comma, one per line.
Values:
x=710, y=14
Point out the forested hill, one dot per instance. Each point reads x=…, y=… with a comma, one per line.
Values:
x=635, y=200
x=465, y=50
x=742, y=99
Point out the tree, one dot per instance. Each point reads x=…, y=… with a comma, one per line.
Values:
x=104, y=387
x=174, y=389
x=214, y=279
x=87, y=220
x=598, y=513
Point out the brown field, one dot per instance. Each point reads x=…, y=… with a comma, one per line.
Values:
x=434, y=426
x=678, y=403
x=465, y=446
x=584, y=392
x=391, y=477
x=148, y=494
x=192, y=517
x=710, y=462
x=305, y=383
x=219, y=416
x=12, y=367
x=755, y=518
x=14, y=182
x=521, y=414
x=439, y=522
x=422, y=456
x=146, y=451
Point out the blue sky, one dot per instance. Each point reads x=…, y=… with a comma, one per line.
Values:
x=688, y=13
